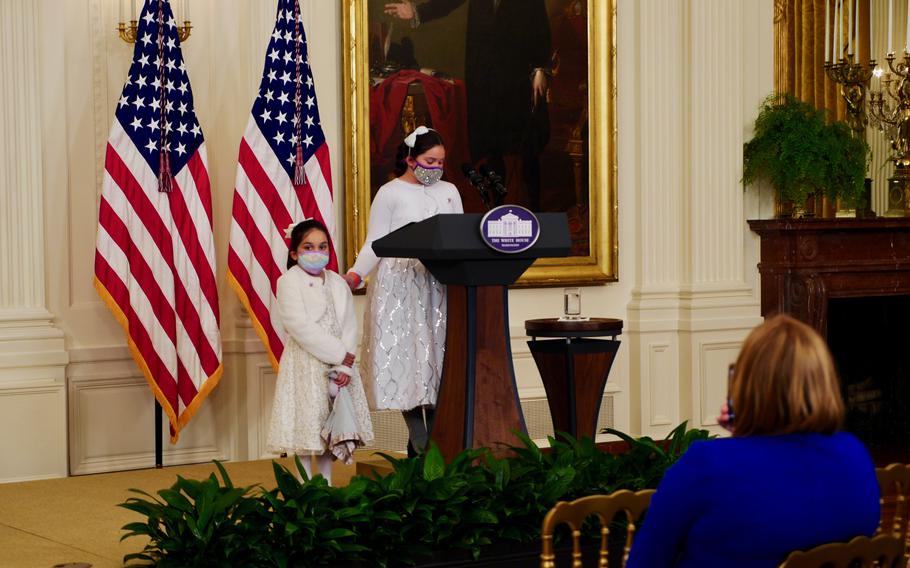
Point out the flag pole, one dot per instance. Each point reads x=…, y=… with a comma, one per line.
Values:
x=164, y=184
x=159, y=424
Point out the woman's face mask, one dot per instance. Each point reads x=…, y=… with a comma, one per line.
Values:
x=427, y=175
x=313, y=261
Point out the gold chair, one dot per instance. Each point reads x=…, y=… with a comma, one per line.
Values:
x=894, y=483
x=605, y=507
x=882, y=551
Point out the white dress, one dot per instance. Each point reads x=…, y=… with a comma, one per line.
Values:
x=405, y=321
x=321, y=329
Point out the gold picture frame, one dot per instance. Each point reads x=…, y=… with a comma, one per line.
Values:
x=600, y=264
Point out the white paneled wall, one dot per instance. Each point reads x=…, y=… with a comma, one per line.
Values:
x=702, y=68
x=690, y=76
x=112, y=419
x=32, y=354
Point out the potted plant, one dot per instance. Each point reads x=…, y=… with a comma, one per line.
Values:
x=477, y=510
x=803, y=155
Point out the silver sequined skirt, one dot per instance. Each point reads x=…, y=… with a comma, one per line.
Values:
x=404, y=336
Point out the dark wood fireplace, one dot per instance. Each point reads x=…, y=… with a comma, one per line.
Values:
x=850, y=279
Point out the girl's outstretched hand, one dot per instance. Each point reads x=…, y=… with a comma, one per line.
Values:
x=353, y=280
x=342, y=379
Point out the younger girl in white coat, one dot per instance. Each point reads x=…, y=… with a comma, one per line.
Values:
x=317, y=311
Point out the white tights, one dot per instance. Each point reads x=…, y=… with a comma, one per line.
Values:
x=323, y=462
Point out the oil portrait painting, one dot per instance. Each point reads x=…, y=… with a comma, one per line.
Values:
x=521, y=93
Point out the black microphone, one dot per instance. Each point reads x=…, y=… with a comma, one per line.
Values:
x=477, y=182
x=496, y=181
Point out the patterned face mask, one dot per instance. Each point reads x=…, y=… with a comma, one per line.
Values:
x=313, y=261
x=427, y=175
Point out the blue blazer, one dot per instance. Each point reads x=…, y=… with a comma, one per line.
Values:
x=748, y=502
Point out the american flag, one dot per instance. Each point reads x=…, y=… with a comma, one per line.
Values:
x=155, y=252
x=283, y=176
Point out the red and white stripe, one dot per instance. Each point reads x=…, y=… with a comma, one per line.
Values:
x=155, y=269
x=265, y=203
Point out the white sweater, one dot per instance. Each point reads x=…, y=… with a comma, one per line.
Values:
x=301, y=303
x=398, y=203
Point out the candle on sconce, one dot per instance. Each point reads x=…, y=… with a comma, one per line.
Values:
x=856, y=28
x=834, y=34
x=850, y=5
x=890, y=25
x=907, y=37
x=839, y=13
x=132, y=10
x=120, y=9
x=827, y=30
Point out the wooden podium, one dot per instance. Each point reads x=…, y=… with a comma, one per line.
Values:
x=478, y=404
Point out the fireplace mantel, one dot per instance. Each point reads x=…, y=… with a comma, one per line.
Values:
x=804, y=262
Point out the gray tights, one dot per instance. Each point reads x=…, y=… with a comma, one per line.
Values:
x=418, y=426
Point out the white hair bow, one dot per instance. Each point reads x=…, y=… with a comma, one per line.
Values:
x=411, y=138
x=290, y=229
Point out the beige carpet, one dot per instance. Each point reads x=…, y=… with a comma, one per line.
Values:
x=76, y=520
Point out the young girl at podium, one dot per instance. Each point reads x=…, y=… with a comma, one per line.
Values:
x=405, y=320
x=317, y=311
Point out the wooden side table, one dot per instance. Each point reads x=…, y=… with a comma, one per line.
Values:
x=574, y=368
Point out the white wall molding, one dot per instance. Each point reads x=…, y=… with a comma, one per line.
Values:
x=29, y=340
x=35, y=410
x=100, y=33
x=661, y=165
x=22, y=252
x=658, y=382
x=32, y=351
x=259, y=391
x=111, y=419
x=710, y=387
x=90, y=395
x=695, y=297
x=715, y=140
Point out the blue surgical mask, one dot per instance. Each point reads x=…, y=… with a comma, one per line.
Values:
x=427, y=175
x=313, y=261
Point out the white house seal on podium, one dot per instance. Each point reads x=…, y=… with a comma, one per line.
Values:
x=509, y=229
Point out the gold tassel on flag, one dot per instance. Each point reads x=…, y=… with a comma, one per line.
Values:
x=299, y=177
x=164, y=173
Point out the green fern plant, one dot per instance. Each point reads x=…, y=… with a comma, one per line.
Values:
x=802, y=154
x=425, y=510
x=196, y=524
